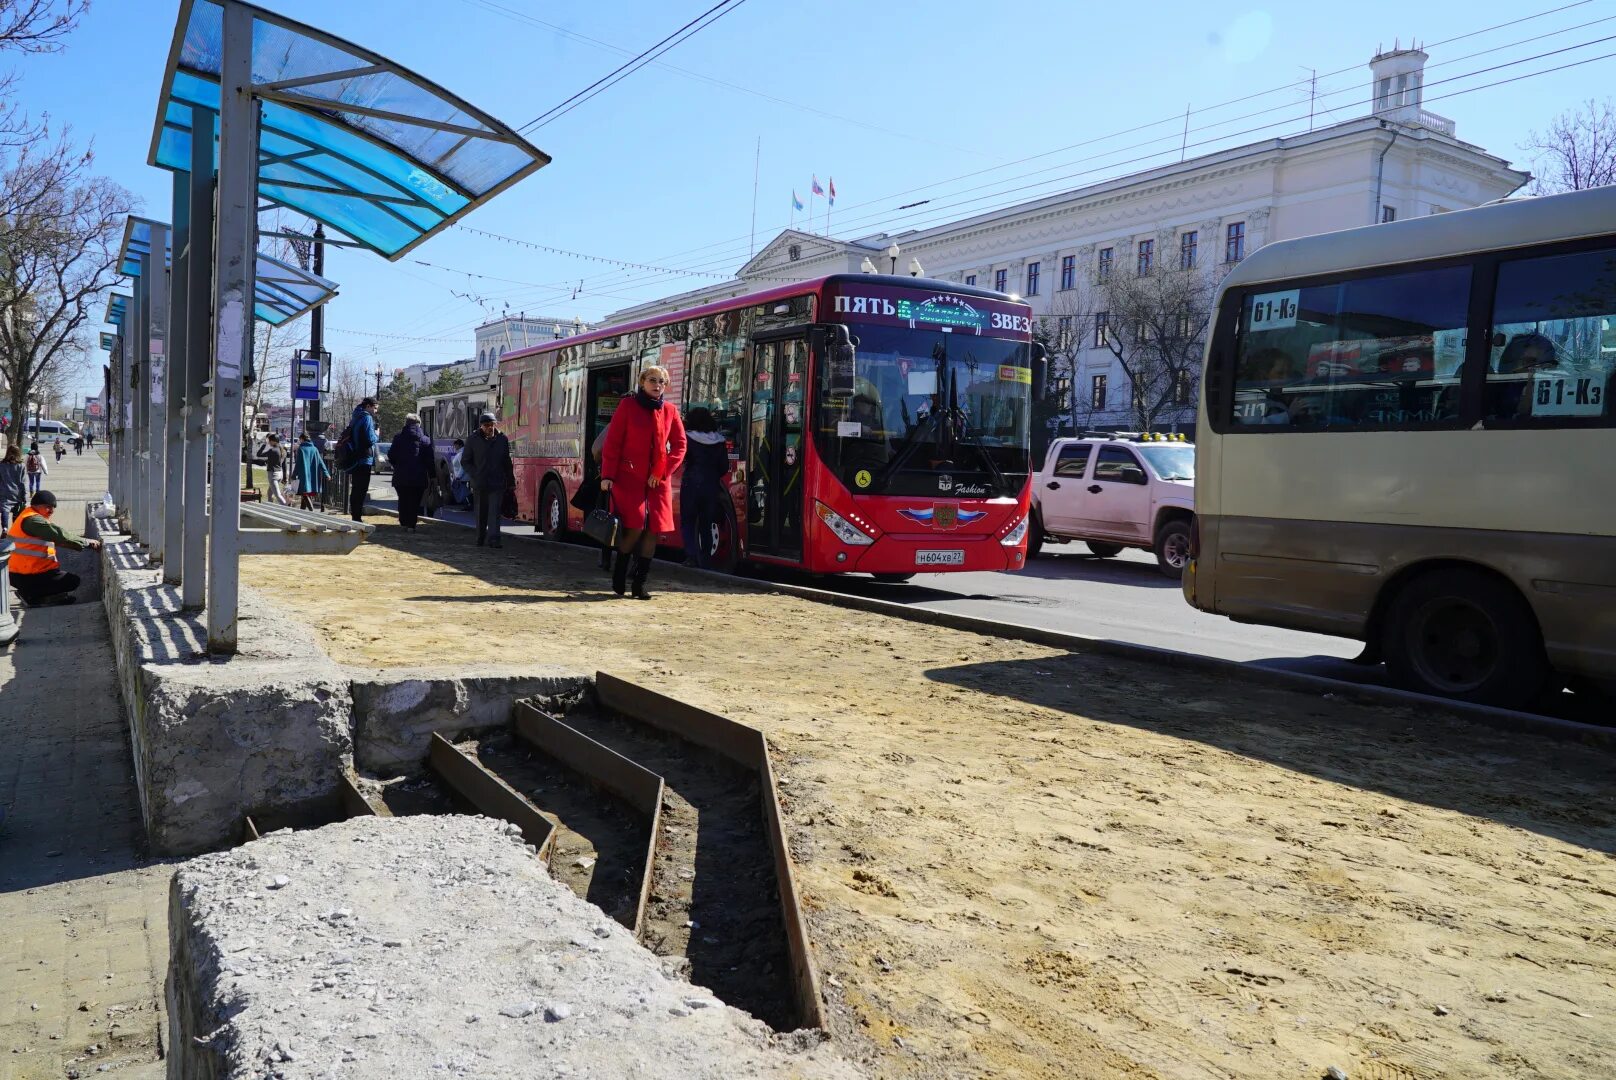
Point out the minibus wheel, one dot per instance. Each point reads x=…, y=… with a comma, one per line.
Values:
x=1468, y=635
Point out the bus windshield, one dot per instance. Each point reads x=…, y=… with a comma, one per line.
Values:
x=926, y=412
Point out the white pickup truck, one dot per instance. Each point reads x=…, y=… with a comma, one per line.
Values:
x=1114, y=492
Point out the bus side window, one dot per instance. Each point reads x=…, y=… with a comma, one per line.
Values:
x=1553, y=348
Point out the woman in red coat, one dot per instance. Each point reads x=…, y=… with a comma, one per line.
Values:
x=645, y=442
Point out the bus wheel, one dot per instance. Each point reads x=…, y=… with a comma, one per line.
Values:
x=1101, y=550
x=1035, y=538
x=552, y=512
x=1462, y=634
x=892, y=579
x=1173, y=548
x=725, y=553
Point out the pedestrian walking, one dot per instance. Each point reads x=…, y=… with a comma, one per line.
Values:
x=412, y=459
x=362, y=438
x=701, y=490
x=13, y=486
x=34, y=465
x=310, y=474
x=89, y=440
x=78, y=446
x=489, y=470
x=35, y=572
x=459, y=490
x=61, y=451
x=275, y=466
x=645, y=444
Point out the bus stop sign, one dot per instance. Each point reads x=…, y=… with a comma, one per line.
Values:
x=310, y=374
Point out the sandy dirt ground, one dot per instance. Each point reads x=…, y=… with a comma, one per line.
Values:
x=1024, y=862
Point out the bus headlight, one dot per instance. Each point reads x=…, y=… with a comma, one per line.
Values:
x=1015, y=535
x=845, y=530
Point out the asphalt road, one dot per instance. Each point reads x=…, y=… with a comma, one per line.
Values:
x=1124, y=598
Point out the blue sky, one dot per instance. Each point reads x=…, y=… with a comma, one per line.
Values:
x=892, y=99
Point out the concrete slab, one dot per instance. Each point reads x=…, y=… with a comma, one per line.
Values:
x=429, y=947
x=216, y=739
x=396, y=715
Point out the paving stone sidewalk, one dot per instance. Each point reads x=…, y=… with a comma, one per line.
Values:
x=83, y=912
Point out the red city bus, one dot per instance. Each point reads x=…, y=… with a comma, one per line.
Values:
x=878, y=424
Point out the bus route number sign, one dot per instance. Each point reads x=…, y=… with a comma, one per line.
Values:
x=1557, y=394
x=1275, y=310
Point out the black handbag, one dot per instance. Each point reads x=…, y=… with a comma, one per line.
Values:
x=601, y=525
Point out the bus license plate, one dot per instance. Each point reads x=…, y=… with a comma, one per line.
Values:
x=949, y=557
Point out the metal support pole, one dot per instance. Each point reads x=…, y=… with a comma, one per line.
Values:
x=116, y=380
x=311, y=409
x=139, y=443
x=233, y=296
x=174, y=388
x=156, y=395
x=198, y=353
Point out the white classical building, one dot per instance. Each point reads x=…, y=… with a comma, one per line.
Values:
x=1207, y=211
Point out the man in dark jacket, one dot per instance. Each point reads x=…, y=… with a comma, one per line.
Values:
x=487, y=462
x=702, y=491
x=411, y=457
x=362, y=434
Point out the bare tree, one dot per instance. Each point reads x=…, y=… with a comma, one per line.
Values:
x=56, y=257
x=1577, y=151
x=30, y=26
x=1063, y=337
x=1154, y=323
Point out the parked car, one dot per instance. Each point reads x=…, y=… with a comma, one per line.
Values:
x=1113, y=491
x=382, y=464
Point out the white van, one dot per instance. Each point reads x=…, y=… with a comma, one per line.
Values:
x=46, y=430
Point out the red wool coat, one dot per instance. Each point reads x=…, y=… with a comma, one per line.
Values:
x=640, y=443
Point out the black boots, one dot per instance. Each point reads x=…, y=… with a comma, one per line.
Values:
x=642, y=567
x=620, y=573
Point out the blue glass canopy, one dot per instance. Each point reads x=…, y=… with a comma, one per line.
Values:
x=346, y=137
x=281, y=291
x=117, y=308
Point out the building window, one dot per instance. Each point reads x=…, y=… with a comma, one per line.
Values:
x=1388, y=213
x=1097, y=394
x=1001, y=279
x=970, y=279
x=1186, y=249
x=1032, y=278
x=1102, y=331
x=1183, y=325
x=1181, y=389
x=1068, y=271
x=1147, y=256
x=794, y=252
x=1234, y=243
x=1103, y=270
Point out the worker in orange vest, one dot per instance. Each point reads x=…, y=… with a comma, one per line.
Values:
x=35, y=573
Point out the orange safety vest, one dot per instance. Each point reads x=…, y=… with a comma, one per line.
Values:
x=33, y=555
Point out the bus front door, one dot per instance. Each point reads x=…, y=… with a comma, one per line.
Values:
x=774, y=450
x=606, y=387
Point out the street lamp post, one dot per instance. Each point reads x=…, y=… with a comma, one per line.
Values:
x=892, y=253
x=379, y=372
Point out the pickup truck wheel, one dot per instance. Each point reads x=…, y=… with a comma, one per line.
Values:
x=1035, y=538
x=1101, y=549
x=1173, y=548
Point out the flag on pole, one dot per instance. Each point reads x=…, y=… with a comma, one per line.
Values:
x=833, y=191
x=796, y=203
x=816, y=189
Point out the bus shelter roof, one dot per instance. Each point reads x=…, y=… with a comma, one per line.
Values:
x=346, y=137
x=117, y=308
x=281, y=291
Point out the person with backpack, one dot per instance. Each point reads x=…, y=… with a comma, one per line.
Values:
x=36, y=468
x=13, y=486
x=356, y=455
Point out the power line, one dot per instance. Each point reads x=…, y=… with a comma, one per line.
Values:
x=623, y=71
x=1177, y=118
